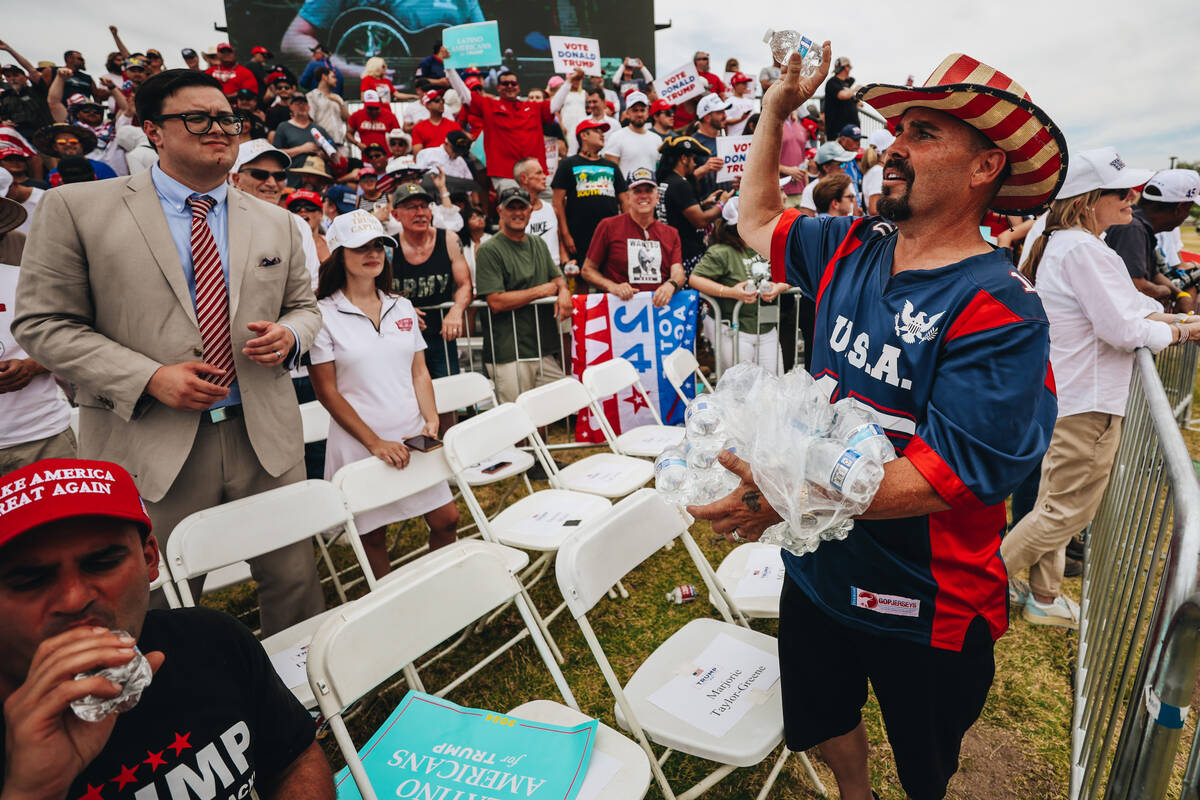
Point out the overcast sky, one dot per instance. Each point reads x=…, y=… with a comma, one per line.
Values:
x=1120, y=73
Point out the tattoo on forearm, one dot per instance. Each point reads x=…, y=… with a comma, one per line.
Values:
x=752, y=499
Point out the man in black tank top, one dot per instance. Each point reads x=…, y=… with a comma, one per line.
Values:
x=430, y=271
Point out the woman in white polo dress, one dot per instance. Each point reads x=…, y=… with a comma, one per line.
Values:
x=369, y=372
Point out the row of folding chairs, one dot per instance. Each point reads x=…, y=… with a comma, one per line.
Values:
x=360, y=646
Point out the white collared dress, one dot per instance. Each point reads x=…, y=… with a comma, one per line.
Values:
x=374, y=374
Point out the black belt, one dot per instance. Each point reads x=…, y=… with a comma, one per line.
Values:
x=221, y=414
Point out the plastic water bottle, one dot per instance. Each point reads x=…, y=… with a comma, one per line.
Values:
x=856, y=426
x=133, y=677
x=682, y=594
x=703, y=418
x=833, y=466
x=760, y=277
x=784, y=43
x=672, y=478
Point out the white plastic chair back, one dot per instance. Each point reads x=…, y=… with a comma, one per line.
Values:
x=482, y=436
x=680, y=365
x=602, y=553
x=552, y=402
x=243, y=529
x=315, y=421
x=609, y=377
x=464, y=390
x=370, y=483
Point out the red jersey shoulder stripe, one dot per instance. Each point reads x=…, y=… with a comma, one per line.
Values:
x=941, y=477
x=779, y=239
x=983, y=313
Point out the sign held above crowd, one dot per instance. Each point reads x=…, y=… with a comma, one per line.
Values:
x=473, y=45
x=680, y=84
x=732, y=151
x=571, y=53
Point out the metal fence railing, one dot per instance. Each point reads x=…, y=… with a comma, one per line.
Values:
x=1139, y=635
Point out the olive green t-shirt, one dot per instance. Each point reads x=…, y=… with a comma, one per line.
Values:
x=502, y=265
x=729, y=266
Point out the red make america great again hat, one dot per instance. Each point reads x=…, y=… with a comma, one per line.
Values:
x=61, y=488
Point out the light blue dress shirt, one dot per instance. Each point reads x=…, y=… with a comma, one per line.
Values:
x=173, y=197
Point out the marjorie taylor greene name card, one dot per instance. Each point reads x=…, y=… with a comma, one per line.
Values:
x=721, y=685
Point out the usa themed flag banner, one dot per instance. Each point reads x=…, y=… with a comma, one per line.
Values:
x=604, y=327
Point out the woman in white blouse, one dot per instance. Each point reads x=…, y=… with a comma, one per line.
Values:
x=1097, y=319
x=369, y=372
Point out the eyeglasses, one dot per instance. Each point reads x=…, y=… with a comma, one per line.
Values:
x=198, y=123
x=263, y=174
x=1121, y=193
x=509, y=83
x=303, y=206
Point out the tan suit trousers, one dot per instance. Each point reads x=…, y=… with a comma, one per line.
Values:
x=222, y=467
x=1075, y=473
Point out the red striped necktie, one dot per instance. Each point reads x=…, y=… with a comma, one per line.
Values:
x=212, y=300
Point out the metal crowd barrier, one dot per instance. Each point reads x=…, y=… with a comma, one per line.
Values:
x=768, y=314
x=1139, y=634
x=1177, y=369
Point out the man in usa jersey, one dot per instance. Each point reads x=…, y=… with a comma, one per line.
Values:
x=919, y=317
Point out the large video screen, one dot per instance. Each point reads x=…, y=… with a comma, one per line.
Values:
x=404, y=31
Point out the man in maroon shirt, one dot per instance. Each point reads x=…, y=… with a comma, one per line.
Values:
x=512, y=127
x=634, y=252
x=232, y=75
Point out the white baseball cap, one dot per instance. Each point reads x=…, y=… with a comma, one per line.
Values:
x=371, y=96
x=635, y=97
x=730, y=212
x=354, y=229
x=255, y=148
x=1101, y=168
x=881, y=139
x=398, y=133
x=710, y=103
x=1174, y=186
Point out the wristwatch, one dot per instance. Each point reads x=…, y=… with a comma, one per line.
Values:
x=677, y=286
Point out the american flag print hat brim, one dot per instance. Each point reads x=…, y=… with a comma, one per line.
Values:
x=999, y=108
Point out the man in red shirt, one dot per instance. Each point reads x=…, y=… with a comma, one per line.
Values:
x=512, y=126
x=634, y=252
x=432, y=132
x=371, y=123
x=232, y=75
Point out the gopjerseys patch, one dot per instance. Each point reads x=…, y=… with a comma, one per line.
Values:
x=885, y=603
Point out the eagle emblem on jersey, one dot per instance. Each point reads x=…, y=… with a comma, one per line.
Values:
x=916, y=327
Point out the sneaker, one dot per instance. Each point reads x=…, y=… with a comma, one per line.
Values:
x=1063, y=612
x=1075, y=549
x=1018, y=592
x=1073, y=568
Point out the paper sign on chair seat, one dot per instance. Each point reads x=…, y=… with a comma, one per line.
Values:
x=430, y=747
x=720, y=686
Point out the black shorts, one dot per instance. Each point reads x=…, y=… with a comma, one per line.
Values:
x=929, y=697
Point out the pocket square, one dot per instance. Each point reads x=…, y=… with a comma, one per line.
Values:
x=268, y=262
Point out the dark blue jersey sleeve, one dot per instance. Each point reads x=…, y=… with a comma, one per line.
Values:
x=992, y=408
x=802, y=246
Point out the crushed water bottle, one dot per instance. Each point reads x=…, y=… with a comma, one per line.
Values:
x=833, y=466
x=685, y=593
x=703, y=418
x=133, y=676
x=671, y=476
x=856, y=426
x=760, y=277
x=784, y=43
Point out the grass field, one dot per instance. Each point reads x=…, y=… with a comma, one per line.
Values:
x=1018, y=749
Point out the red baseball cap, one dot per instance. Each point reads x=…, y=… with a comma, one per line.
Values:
x=61, y=488
x=588, y=123
x=306, y=194
x=260, y=49
x=224, y=46
x=660, y=105
x=740, y=77
x=366, y=169
x=473, y=82
x=430, y=96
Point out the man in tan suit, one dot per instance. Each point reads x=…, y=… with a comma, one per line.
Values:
x=177, y=304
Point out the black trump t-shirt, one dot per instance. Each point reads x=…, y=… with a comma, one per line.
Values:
x=215, y=722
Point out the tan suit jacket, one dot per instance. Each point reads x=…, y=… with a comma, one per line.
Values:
x=102, y=300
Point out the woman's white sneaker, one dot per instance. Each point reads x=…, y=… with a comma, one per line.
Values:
x=1063, y=612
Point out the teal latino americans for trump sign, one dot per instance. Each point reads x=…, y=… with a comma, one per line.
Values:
x=474, y=45
x=432, y=749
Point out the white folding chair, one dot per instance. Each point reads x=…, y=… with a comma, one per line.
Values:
x=602, y=553
x=738, y=565
x=314, y=420
x=610, y=378
x=361, y=644
x=471, y=390
x=680, y=365
x=609, y=475
x=539, y=522
x=243, y=529
x=163, y=581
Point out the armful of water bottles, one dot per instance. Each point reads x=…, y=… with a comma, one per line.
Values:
x=798, y=464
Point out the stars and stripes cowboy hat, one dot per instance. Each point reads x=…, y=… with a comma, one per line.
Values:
x=999, y=108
